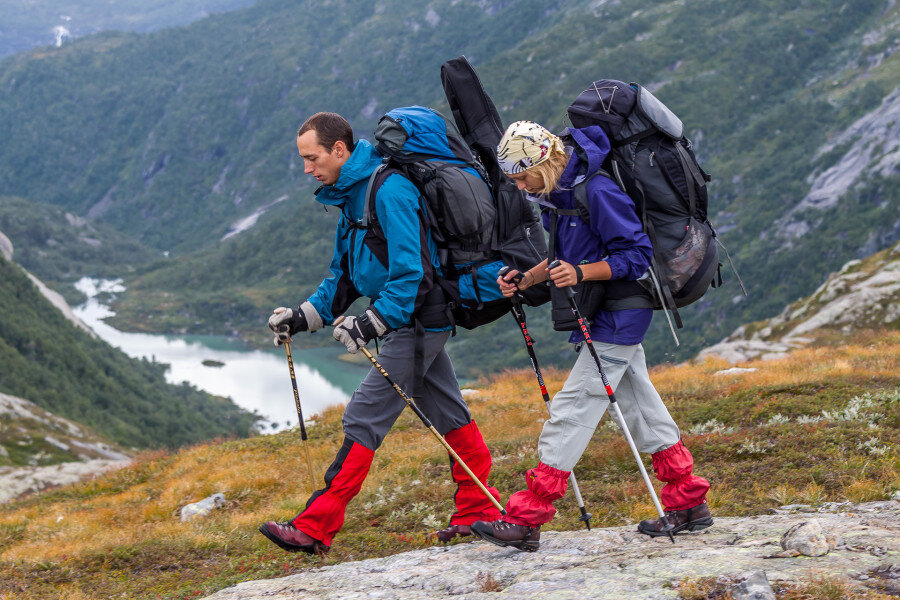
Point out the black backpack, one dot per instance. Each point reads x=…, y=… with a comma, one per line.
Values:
x=652, y=161
x=479, y=220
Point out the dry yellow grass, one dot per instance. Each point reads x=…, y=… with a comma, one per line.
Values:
x=70, y=541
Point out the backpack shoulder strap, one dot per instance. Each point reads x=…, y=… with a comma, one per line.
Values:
x=580, y=191
x=376, y=179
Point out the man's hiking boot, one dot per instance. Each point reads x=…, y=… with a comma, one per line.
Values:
x=689, y=519
x=445, y=535
x=292, y=539
x=508, y=534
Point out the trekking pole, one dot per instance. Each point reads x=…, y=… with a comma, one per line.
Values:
x=570, y=295
x=312, y=481
x=518, y=314
x=428, y=424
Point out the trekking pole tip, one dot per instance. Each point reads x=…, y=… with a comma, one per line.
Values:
x=586, y=517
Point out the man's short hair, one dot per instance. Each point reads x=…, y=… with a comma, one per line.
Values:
x=329, y=127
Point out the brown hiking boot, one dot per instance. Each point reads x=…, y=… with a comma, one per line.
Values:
x=508, y=534
x=445, y=535
x=689, y=519
x=292, y=539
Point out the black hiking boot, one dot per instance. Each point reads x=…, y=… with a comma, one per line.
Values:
x=508, y=534
x=292, y=539
x=690, y=519
x=445, y=535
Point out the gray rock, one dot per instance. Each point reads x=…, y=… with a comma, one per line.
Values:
x=601, y=564
x=896, y=496
x=202, y=508
x=806, y=538
x=754, y=587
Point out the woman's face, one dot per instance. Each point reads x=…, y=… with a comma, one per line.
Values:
x=529, y=181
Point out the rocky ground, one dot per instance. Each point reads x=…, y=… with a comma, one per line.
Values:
x=863, y=294
x=40, y=450
x=614, y=563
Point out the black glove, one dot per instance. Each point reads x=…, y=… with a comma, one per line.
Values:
x=356, y=332
x=285, y=322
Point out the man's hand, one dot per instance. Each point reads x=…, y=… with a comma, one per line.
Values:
x=285, y=322
x=356, y=332
x=510, y=281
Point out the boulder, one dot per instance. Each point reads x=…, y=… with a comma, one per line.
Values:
x=202, y=508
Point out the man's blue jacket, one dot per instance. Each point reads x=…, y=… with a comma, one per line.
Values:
x=395, y=268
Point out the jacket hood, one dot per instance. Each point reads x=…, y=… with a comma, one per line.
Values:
x=591, y=148
x=360, y=166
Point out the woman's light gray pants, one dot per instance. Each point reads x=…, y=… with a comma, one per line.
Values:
x=576, y=410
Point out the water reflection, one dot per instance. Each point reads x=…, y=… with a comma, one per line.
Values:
x=256, y=380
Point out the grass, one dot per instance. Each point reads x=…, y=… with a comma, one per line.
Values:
x=812, y=587
x=821, y=425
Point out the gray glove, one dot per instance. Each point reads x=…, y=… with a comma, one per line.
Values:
x=356, y=332
x=285, y=322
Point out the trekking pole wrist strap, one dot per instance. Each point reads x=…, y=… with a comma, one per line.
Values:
x=579, y=274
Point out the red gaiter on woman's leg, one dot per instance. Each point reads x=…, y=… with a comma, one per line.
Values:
x=683, y=489
x=534, y=505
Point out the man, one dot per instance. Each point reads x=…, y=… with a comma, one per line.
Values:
x=394, y=262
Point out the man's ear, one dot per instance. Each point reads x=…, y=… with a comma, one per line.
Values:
x=339, y=149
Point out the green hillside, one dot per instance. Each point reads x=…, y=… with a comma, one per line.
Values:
x=173, y=136
x=30, y=24
x=59, y=247
x=45, y=359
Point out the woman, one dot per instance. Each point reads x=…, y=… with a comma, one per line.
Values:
x=606, y=245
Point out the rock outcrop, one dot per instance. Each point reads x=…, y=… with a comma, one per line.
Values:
x=31, y=437
x=863, y=294
x=602, y=564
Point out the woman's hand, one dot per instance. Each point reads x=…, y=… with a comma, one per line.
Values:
x=564, y=275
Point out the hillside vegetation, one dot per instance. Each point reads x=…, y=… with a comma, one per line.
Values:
x=174, y=136
x=821, y=425
x=59, y=248
x=32, y=24
x=63, y=369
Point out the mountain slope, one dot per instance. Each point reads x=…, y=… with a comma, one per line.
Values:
x=30, y=24
x=44, y=358
x=791, y=108
x=863, y=295
x=820, y=426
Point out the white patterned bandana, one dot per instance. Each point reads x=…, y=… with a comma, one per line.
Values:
x=524, y=145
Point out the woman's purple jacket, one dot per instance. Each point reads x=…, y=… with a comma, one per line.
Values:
x=614, y=234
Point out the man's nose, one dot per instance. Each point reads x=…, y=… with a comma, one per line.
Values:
x=307, y=168
x=520, y=185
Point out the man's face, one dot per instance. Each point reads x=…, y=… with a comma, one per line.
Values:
x=322, y=163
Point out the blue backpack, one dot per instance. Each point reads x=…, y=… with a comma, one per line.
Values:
x=470, y=228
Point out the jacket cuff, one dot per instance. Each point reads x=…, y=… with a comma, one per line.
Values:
x=313, y=319
x=617, y=267
x=379, y=325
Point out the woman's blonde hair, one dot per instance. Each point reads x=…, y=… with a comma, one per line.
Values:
x=550, y=170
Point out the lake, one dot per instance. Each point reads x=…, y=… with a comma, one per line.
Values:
x=257, y=380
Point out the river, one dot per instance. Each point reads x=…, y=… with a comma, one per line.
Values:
x=257, y=380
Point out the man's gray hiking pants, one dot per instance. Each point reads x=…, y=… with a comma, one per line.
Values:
x=375, y=405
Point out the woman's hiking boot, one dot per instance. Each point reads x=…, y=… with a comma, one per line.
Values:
x=292, y=539
x=505, y=534
x=689, y=519
x=454, y=531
